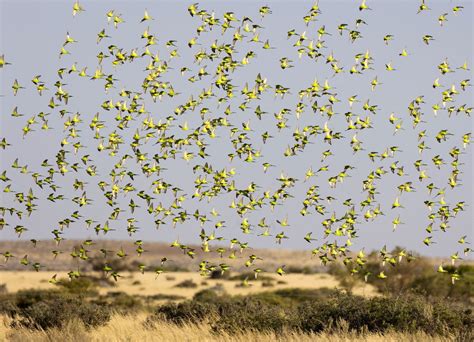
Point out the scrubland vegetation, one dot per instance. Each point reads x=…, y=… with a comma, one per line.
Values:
x=414, y=303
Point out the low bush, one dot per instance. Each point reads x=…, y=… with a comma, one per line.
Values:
x=346, y=280
x=8, y=305
x=13, y=304
x=161, y=296
x=303, y=269
x=267, y=283
x=298, y=295
x=439, y=285
x=55, y=313
x=211, y=294
x=97, y=264
x=253, y=315
x=188, y=283
x=411, y=275
x=216, y=274
x=170, y=267
x=42, y=309
x=292, y=297
x=250, y=276
x=26, y=298
x=225, y=313
x=310, y=311
x=407, y=313
x=120, y=302
x=207, y=296
x=84, y=286
x=185, y=312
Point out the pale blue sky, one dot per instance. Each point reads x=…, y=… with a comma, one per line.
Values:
x=32, y=33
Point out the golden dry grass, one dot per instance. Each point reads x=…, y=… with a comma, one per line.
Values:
x=131, y=328
x=165, y=284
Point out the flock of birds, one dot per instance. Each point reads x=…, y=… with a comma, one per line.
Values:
x=215, y=64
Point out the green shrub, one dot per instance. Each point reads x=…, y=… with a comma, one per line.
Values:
x=185, y=312
x=439, y=285
x=55, y=313
x=226, y=313
x=84, y=286
x=267, y=283
x=250, y=276
x=207, y=296
x=416, y=274
x=13, y=304
x=188, y=283
x=169, y=267
x=346, y=280
x=405, y=313
x=26, y=298
x=120, y=302
x=301, y=295
x=8, y=305
x=302, y=269
x=316, y=310
x=399, y=278
x=161, y=296
x=97, y=263
x=292, y=297
x=42, y=309
x=216, y=274
x=252, y=314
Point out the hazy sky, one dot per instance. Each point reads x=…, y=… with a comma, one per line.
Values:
x=32, y=33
